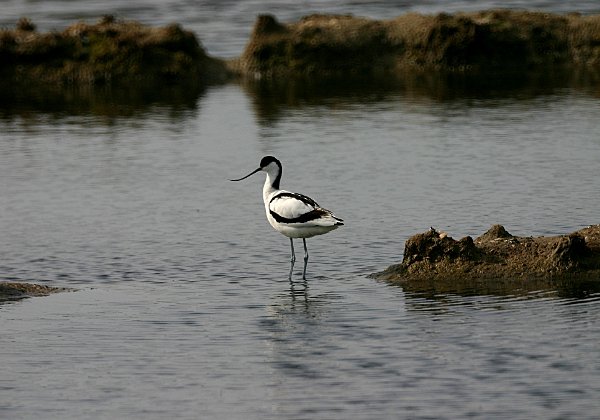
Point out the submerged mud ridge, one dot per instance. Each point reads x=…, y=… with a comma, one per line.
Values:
x=14, y=290
x=315, y=46
x=435, y=259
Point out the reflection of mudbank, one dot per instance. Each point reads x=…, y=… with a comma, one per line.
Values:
x=114, y=100
x=272, y=96
x=498, y=262
x=14, y=291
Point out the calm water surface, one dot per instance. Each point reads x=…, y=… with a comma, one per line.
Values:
x=182, y=306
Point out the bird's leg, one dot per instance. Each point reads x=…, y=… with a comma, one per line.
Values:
x=305, y=259
x=293, y=260
x=293, y=254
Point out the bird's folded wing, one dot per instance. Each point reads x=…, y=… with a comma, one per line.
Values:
x=288, y=207
x=291, y=205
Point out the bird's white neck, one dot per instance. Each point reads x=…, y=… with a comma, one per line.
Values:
x=273, y=171
x=268, y=188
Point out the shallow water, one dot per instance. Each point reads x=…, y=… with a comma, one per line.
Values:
x=182, y=306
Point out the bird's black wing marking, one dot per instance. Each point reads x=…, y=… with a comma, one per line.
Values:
x=303, y=218
x=306, y=200
x=315, y=213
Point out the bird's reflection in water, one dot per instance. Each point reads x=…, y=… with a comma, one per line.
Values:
x=302, y=303
x=299, y=290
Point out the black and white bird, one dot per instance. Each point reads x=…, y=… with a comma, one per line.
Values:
x=292, y=214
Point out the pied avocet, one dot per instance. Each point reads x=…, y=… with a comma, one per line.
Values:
x=292, y=214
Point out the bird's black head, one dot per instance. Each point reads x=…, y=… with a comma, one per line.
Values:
x=267, y=164
x=264, y=162
x=270, y=160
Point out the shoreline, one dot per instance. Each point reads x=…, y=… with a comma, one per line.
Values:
x=316, y=46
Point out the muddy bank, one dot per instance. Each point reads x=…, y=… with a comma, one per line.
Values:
x=14, y=291
x=315, y=46
x=325, y=45
x=105, y=51
x=496, y=261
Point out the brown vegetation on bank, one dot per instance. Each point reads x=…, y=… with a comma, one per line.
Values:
x=435, y=259
x=105, y=51
x=325, y=45
x=315, y=46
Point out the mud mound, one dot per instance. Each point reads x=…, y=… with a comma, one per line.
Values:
x=13, y=290
x=105, y=51
x=497, y=255
x=315, y=46
x=321, y=45
x=326, y=45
